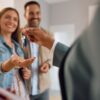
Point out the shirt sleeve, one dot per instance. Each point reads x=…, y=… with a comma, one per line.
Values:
x=52, y=53
x=1, y=70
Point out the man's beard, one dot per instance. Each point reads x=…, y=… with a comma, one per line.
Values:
x=34, y=24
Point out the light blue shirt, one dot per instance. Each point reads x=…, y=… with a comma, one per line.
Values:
x=34, y=79
x=6, y=78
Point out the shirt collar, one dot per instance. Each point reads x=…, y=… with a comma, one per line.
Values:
x=3, y=41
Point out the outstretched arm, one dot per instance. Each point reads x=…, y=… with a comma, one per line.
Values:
x=43, y=38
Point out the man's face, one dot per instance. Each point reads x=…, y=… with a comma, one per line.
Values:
x=33, y=15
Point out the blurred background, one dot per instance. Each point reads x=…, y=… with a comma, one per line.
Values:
x=66, y=19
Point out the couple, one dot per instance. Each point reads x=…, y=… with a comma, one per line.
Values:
x=15, y=64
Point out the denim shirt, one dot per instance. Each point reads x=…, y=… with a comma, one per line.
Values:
x=6, y=78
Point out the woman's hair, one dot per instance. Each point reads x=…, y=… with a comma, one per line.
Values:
x=16, y=34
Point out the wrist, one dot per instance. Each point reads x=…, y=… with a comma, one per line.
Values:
x=1, y=69
x=7, y=65
x=49, y=43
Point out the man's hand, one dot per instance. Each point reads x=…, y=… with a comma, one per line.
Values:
x=26, y=73
x=45, y=67
x=39, y=36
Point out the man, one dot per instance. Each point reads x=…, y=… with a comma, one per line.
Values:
x=40, y=67
x=80, y=65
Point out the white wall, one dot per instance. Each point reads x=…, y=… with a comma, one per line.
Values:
x=5, y=3
x=91, y=12
x=19, y=5
x=64, y=34
x=45, y=14
x=71, y=12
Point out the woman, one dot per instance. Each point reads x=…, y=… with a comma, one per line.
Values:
x=11, y=54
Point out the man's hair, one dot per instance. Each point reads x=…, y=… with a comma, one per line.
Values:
x=31, y=3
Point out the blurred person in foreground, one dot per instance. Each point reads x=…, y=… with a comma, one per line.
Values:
x=80, y=65
x=5, y=95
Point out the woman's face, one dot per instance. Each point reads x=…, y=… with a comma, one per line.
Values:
x=9, y=22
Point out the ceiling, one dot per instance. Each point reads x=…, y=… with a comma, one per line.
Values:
x=55, y=1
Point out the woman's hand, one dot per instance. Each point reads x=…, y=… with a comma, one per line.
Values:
x=26, y=73
x=16, y=61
